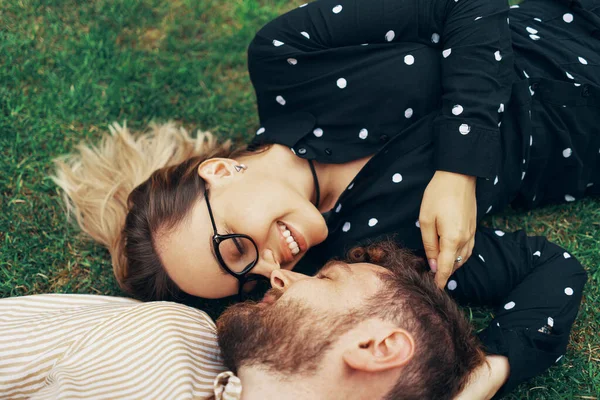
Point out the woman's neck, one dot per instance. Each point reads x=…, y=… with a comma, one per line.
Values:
x=335, y=178
x=285, y=165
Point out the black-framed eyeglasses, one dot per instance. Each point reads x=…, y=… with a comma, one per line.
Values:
x=236, y=253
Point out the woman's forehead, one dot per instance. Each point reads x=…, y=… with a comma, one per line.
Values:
x=186, y=252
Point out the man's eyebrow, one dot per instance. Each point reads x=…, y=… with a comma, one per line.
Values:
x=335, y=264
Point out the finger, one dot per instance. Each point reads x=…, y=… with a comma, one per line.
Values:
x=431, y=239
x=448, y=251
x=463, y=254
x=470, y=248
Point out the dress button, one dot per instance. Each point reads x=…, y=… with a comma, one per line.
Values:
x=302, y=150
x=585, y=91
x=534, y=86
x=328, y=152
x=384, y=138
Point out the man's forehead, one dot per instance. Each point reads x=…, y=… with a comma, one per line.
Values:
x=367, y=268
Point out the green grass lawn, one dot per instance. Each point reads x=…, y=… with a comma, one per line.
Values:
x=68, y=68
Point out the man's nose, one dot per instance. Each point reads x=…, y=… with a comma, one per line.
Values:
x=283, y=279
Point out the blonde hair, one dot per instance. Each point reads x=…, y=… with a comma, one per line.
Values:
x=97, y=181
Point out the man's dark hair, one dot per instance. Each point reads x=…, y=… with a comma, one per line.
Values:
x=446, y=351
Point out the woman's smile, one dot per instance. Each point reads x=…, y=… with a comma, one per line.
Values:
x=292, y=242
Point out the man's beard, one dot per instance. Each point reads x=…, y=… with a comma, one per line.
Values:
x=286, y=337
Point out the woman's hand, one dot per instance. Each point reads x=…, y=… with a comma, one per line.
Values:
x=448, y=220
x=486, y=380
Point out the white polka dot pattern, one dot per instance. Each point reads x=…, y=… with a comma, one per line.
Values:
x=531, y=30
x=373, y=222
x=452, y=285
x=510, y=305
x=568, y=18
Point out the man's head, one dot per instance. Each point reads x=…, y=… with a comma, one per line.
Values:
x=375, y=326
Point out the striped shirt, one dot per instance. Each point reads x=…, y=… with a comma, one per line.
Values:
x=98, y=347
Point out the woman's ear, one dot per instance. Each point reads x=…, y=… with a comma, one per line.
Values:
x=217, y=171
x=389, y=348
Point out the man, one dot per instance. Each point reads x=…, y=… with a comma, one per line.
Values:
x=354, y=331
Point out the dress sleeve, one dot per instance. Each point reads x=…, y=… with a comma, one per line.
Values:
x=475, y=53
x=535, y=288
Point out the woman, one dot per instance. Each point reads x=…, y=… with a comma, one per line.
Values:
x=403, y=119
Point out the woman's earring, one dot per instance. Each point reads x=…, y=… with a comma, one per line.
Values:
x=240, y=168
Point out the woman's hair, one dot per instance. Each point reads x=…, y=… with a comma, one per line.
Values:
x=129, y=188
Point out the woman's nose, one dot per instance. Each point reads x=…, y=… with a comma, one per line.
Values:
x=283, y=279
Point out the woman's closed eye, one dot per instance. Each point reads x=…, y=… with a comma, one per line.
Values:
x=235, y=248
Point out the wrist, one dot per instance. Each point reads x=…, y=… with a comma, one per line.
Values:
x=454, y=175
x=499, y=373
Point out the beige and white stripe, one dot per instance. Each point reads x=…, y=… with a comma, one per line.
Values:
x=97, y=347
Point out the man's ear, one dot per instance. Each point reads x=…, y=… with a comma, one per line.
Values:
x=216, y=171
x=380, y=350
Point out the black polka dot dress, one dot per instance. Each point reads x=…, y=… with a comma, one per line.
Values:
x=511, y=96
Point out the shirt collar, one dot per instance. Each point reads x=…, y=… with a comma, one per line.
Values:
x=227, y=386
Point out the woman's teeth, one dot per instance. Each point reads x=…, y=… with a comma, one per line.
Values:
x=289, y=239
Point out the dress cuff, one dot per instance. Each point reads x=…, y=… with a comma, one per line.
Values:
x=529, y=352
x=466, y=149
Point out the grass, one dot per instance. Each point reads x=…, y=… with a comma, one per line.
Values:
x=68, y=68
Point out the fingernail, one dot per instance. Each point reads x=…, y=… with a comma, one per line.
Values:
x=433, y=264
